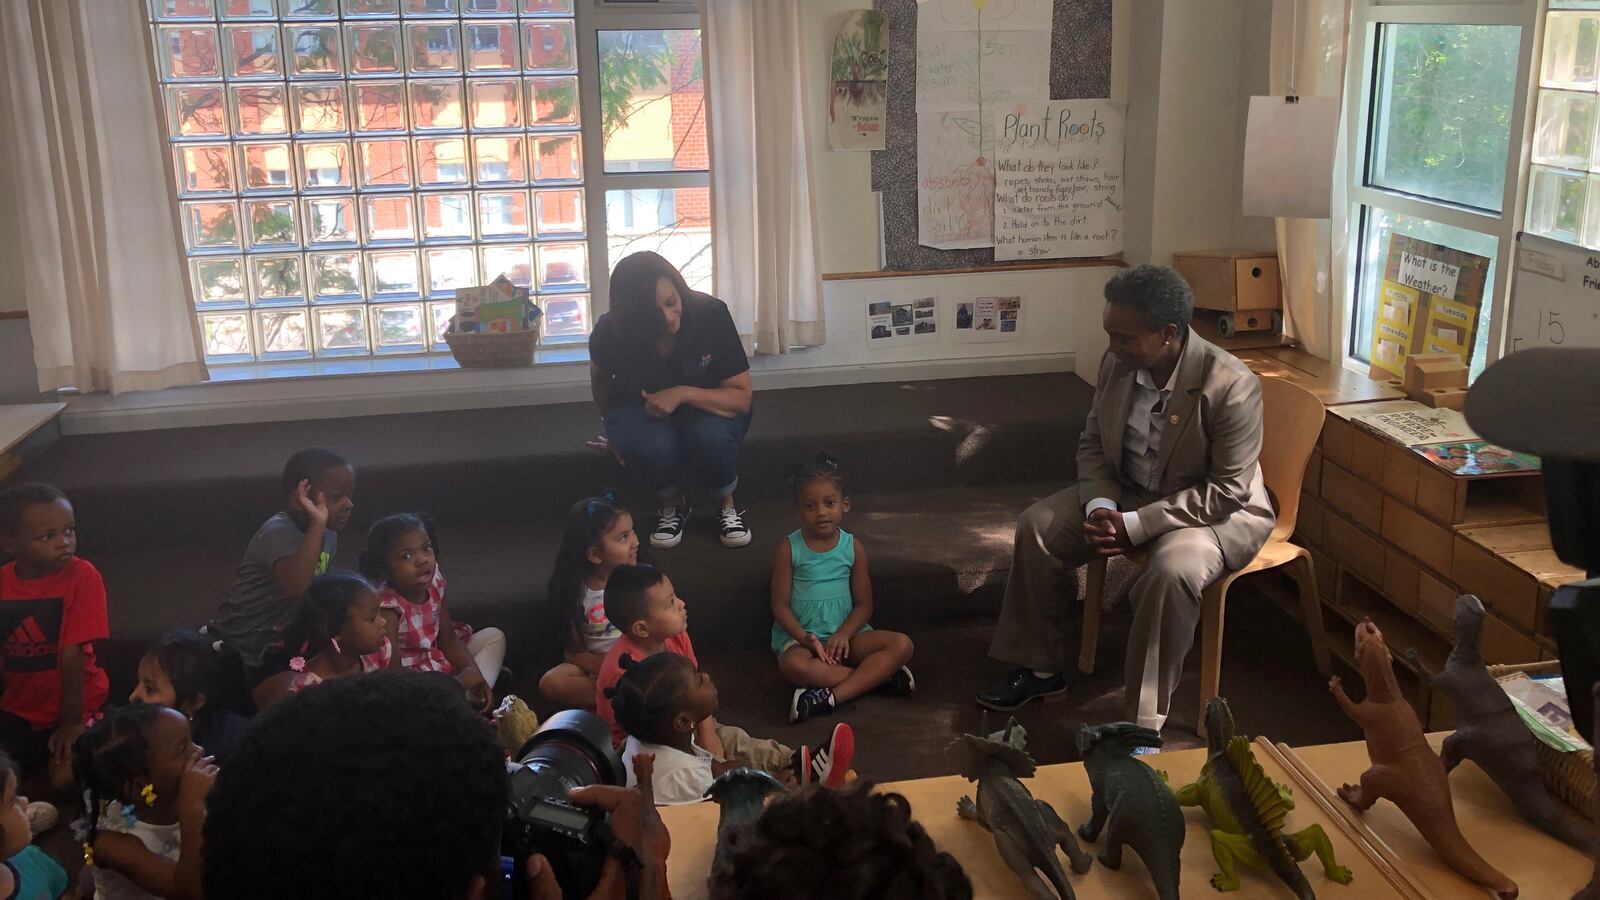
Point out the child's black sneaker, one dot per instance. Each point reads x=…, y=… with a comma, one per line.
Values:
x=669, y=526
x=830, y=764
x=901, y=684
x=808, y=702
x=731, y=528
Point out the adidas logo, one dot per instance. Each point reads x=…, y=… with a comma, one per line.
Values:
x=29, y=640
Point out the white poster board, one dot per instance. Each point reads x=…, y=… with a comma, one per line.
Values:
x=1288, y=156
x=895, y=323
x=972, y=59
x=1058, y=180
x=1555, y=296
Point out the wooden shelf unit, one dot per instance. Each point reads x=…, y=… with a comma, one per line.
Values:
x=1396, y=539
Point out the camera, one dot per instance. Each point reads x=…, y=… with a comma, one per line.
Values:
x=571, y=749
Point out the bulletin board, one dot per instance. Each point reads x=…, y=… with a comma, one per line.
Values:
x=1080, y=67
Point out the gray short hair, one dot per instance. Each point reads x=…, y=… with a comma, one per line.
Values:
x=1158, y=293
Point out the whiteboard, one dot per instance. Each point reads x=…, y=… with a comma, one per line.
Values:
x=1555, y=296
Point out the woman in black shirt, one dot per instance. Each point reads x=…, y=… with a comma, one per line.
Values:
x=670, y=376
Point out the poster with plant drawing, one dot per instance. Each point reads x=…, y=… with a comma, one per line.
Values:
x=859, y=100
x=974, y=59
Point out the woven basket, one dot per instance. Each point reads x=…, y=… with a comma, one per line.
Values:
x=501, y=350
x=1569, y=775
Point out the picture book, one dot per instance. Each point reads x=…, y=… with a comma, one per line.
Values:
x=1476, y=458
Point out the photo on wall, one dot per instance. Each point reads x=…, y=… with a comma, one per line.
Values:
x=984, y=319
x=893, y=323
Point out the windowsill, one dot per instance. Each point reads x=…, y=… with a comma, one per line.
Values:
x=576, y=352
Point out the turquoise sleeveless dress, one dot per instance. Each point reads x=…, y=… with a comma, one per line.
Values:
x=820, y=592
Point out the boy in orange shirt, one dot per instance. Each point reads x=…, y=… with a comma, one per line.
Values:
x=641, y=603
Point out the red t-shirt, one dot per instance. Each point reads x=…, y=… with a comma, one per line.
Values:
x=611, y=673
x=39, y=616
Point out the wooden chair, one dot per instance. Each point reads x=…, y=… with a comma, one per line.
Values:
x=1292, y=420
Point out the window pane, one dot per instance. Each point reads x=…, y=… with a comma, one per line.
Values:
x=675, y=223
x=1565, y=131
x=559, y=212
x=335, y=276
x=319, y=108
x=652, y=101
x=276, y=280
x=197, y=111
x=218, y=281
x=1377, y=226
x=331, y=221
x=259, y=109
x=566, y=316
x=496, y=103
x=399, y=327
x=226, y=337
x=283, y=333
x=1559, y=205
x=341, y=330
x=1571, y=56
x=553, y=101
x=344, y=167
x=549, y=46
x=1442, y=111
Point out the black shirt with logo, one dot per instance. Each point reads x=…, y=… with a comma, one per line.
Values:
x=708, y=352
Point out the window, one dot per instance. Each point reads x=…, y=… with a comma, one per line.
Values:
x=1437, y=112
x=1563, y=195
x=344, y=166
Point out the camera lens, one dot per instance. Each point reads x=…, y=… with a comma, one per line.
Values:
x=573, y=748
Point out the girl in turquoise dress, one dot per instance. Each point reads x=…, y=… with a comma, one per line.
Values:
x=822, y=599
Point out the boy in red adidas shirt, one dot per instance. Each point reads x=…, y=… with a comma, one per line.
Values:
x=52, y=609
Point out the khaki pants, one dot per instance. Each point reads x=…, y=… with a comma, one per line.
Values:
x=1041, y=594
x=755, y=753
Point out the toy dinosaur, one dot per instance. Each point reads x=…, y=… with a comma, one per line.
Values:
x=1404, y=768
x=1026, y=831
x=1490, y=733
x=741, y=796
x=1132, y=802
x=1247, y=809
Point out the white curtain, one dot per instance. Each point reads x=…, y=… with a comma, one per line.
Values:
x=1308, y=39
x=763, y=208
x=103, y=270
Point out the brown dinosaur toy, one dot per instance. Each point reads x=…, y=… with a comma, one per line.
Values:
x=1405, y=769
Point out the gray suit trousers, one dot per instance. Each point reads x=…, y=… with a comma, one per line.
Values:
x=1041, y=594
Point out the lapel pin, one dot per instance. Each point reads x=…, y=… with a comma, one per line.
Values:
x=1172, y=420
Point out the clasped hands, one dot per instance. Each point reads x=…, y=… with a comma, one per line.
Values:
x=1106, y=533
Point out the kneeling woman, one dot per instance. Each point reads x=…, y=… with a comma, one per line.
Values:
x=673, y=385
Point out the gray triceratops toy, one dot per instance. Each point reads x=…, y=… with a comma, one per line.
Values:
x=1026, y=831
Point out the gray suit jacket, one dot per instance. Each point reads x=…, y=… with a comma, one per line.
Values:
x=1207, y=469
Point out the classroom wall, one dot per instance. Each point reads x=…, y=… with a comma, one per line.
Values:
x=1186, y=70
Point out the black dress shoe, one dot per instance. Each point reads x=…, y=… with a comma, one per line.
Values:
x=1022, y=686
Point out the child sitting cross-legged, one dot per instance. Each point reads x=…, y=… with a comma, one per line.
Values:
x=402, y=558
x=641, y=602
x=661, y=701
x=146, y=783
x=339, y=632
x=822, y=599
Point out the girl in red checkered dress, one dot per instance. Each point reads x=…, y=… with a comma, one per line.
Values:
x=402, y=557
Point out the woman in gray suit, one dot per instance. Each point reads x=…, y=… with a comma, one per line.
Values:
x=1167, y=463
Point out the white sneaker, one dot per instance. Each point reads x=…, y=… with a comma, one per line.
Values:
x=734, y=532
x=668, y=532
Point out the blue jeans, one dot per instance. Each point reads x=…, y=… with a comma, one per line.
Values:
x=658, y=450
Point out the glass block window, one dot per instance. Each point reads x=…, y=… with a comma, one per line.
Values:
x=1564, y=178
x=344, y=166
